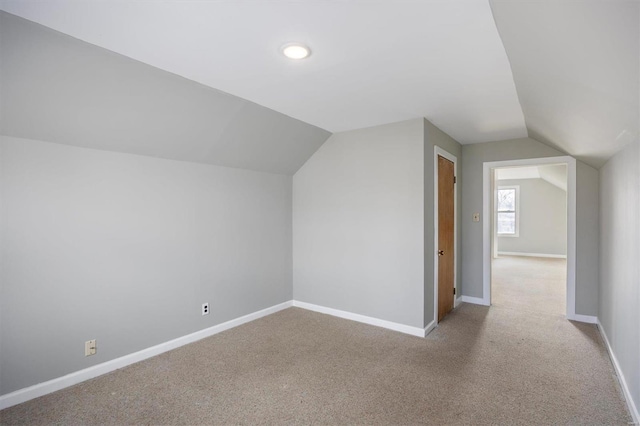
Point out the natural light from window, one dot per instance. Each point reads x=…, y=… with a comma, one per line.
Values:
x=507, y=211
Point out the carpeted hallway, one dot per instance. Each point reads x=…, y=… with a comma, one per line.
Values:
x=503, y=365
x=533, y=284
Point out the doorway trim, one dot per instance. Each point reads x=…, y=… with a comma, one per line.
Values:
x=437, y=151
x=487, y=211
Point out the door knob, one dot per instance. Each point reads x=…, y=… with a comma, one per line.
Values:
x=440, y=252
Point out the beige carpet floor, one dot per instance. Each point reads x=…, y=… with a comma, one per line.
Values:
x=504, y=365
x=534, y=285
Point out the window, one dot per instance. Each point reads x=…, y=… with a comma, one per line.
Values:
x=507, y=211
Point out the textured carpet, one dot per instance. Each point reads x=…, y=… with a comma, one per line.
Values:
x=534, y=285
x=503, y=365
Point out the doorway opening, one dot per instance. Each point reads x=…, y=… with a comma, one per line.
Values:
x=529, y=257
x=528, y=262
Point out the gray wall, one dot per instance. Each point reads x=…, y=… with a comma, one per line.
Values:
x=542, y=216
x=473, y=157
x=619, y=307
x=433, y=136
x=358, y=224
x=587, y=239
x=124, y=249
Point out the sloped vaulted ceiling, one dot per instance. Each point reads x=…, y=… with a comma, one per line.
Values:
x=372, y=62
x=59, y=89
x=576, y=65
x=563, y=72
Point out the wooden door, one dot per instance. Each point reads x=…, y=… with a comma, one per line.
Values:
x=446, y=223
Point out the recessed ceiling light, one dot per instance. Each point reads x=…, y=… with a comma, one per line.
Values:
x=295, y=50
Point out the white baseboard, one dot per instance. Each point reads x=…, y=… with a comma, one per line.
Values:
x=633, y=409
x=583, y=318
x=429, y=328
x=457, y=301
x=71, y=379
x=517, y=253
x=414, y=331
x=35, y=391
x=475, y=300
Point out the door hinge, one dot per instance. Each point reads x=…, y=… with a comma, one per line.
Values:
x=454, y=179
x=454, y=290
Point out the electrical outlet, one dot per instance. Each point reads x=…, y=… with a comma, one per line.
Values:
x=205, y=309
x=90, y=347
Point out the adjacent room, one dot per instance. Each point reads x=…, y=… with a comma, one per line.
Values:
x=529, y=257
x=303, y=212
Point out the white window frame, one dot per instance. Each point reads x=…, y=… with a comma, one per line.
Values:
x=517, y=211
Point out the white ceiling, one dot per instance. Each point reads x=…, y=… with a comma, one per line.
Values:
x=555, y=174
x=59, y=89
x=373, y=62
x=565, y=73
x=510, y=173
x=576, y=65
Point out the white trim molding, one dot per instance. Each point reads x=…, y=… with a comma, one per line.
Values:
x=437, y=151
x=35, y=391
x=487, y=235
x=407, y=329
x=41, y=389
x=633, y=409
x=474, y=300
x=430, y=327
x=517, y=253
x=583, y=318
